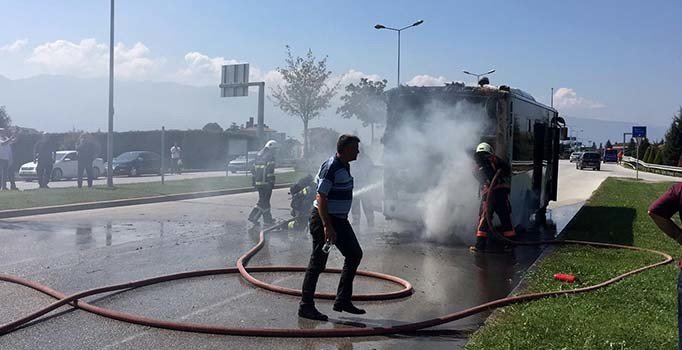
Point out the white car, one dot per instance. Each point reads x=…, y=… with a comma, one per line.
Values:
x=65, y=167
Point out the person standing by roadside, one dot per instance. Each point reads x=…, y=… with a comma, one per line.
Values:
x=87, y=151
x=5, y=158
x=44, y=155
x=12, y=165
x=329, y=223
x=176, y=158
x=661, y=211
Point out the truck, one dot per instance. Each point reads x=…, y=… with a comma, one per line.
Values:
x=522, y=131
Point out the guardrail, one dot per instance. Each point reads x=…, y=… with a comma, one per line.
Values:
x=654, y=168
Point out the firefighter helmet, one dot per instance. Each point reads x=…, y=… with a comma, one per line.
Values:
x=272, y=144
x=484, y=147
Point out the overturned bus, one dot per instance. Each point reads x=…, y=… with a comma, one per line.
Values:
x=521, y=130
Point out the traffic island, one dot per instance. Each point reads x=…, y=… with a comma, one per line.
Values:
x=639, y=312
x=45, y=201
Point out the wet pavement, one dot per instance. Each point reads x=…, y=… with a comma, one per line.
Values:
x=80, y=250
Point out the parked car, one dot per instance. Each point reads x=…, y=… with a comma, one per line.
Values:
x=136, y=163
x=574, y=157
x=589, y=160
x=241, y=163
x=65, y=167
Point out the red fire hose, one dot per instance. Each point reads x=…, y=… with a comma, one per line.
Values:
x=75, y=299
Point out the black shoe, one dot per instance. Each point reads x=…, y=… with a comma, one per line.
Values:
x=311, y=313
x=349, y=308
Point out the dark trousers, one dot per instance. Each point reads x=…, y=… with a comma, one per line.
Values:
x=85, y=166
x=500, y=205
x=679, y=310
x=264, y=195
x=44, y=171
x=347, y=244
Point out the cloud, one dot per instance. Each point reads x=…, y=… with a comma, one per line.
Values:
x=15, y=46
x=427, y=80
x=353, y=76
x=203, y=70
x=88, y=58
x=566, y=98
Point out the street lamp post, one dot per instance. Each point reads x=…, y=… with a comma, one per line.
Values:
x=381, y=26
x=110, y=133
x=478, y=76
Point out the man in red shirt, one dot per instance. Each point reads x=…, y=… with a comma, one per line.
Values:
x=661, y=211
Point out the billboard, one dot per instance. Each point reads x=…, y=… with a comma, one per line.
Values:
x=234, y=74
x=639, y=131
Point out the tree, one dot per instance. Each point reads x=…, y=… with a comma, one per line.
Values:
x=608, y=144
x=631, y=148
x=648, y=155
x=212, y=127
x=365, y=101
x=643, y=147
x=601, y=146
x=5, y=119
x=658, y=157
x=306, y=92
x=594, y=145
x=233, y=127
x=672, y=148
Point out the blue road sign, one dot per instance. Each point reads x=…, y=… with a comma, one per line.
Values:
x=639, y=131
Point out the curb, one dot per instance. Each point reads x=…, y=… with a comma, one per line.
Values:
x=13, y=213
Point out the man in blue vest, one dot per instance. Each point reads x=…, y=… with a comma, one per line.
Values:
x=329, y=223
x=264, y=180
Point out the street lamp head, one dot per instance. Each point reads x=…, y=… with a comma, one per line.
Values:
x=490, y=71
x=467, y=72
x=379, y=26
x=418, y=22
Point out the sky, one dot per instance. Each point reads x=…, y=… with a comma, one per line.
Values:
x=611, y=60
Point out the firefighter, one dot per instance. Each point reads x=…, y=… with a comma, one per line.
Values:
x=488, y=165
x=302, y=196
x=263, y=180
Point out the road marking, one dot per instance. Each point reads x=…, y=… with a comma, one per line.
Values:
x=196, y=312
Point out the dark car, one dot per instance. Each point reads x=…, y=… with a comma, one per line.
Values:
x=589, y=160
x=137, y=163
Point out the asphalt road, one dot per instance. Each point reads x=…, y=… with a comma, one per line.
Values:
x=80, y=250
x=23, y=185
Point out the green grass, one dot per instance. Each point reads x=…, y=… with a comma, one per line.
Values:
x=639, y=312
x=58, y=196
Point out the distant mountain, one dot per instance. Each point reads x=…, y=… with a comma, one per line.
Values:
x=598, y=130
x=60, y=103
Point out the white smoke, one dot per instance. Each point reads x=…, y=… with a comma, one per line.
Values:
x=435, y=150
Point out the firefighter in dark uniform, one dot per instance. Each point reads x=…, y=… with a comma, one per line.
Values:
x=488, y=165
x=264, y=180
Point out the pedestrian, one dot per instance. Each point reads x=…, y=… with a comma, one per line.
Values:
x=176, y=158
x=5, y=158
x=488, y=166
x=44, y=155
x=329, y=223
x=12, y=164
x=87, y=151
x=364, y=199
x=263, y=180
x=661, y=212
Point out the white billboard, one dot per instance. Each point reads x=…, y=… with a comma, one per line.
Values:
x=234, y=74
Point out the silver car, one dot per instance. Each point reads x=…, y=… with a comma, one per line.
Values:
x=575, y=156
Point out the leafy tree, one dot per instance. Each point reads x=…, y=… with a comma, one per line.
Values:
x=643, y=147
x=658, y=158
x=233, y=127
x=5, y=119
x=601, y=146
x=630, y=151
x=212, y=127
x=672, y=149
x=594, y=145
x=365, y=101
x=306, y=92
x=608, y=144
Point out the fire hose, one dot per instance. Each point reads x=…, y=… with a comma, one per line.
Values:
x=75, y=300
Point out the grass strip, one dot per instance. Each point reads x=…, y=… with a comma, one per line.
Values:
x=72, y=195
x=637, y=313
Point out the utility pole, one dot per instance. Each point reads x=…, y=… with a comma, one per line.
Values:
x=110, y=134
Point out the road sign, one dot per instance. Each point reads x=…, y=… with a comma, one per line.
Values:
x=236, y=147
x=235, y=74
x=639, y=131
